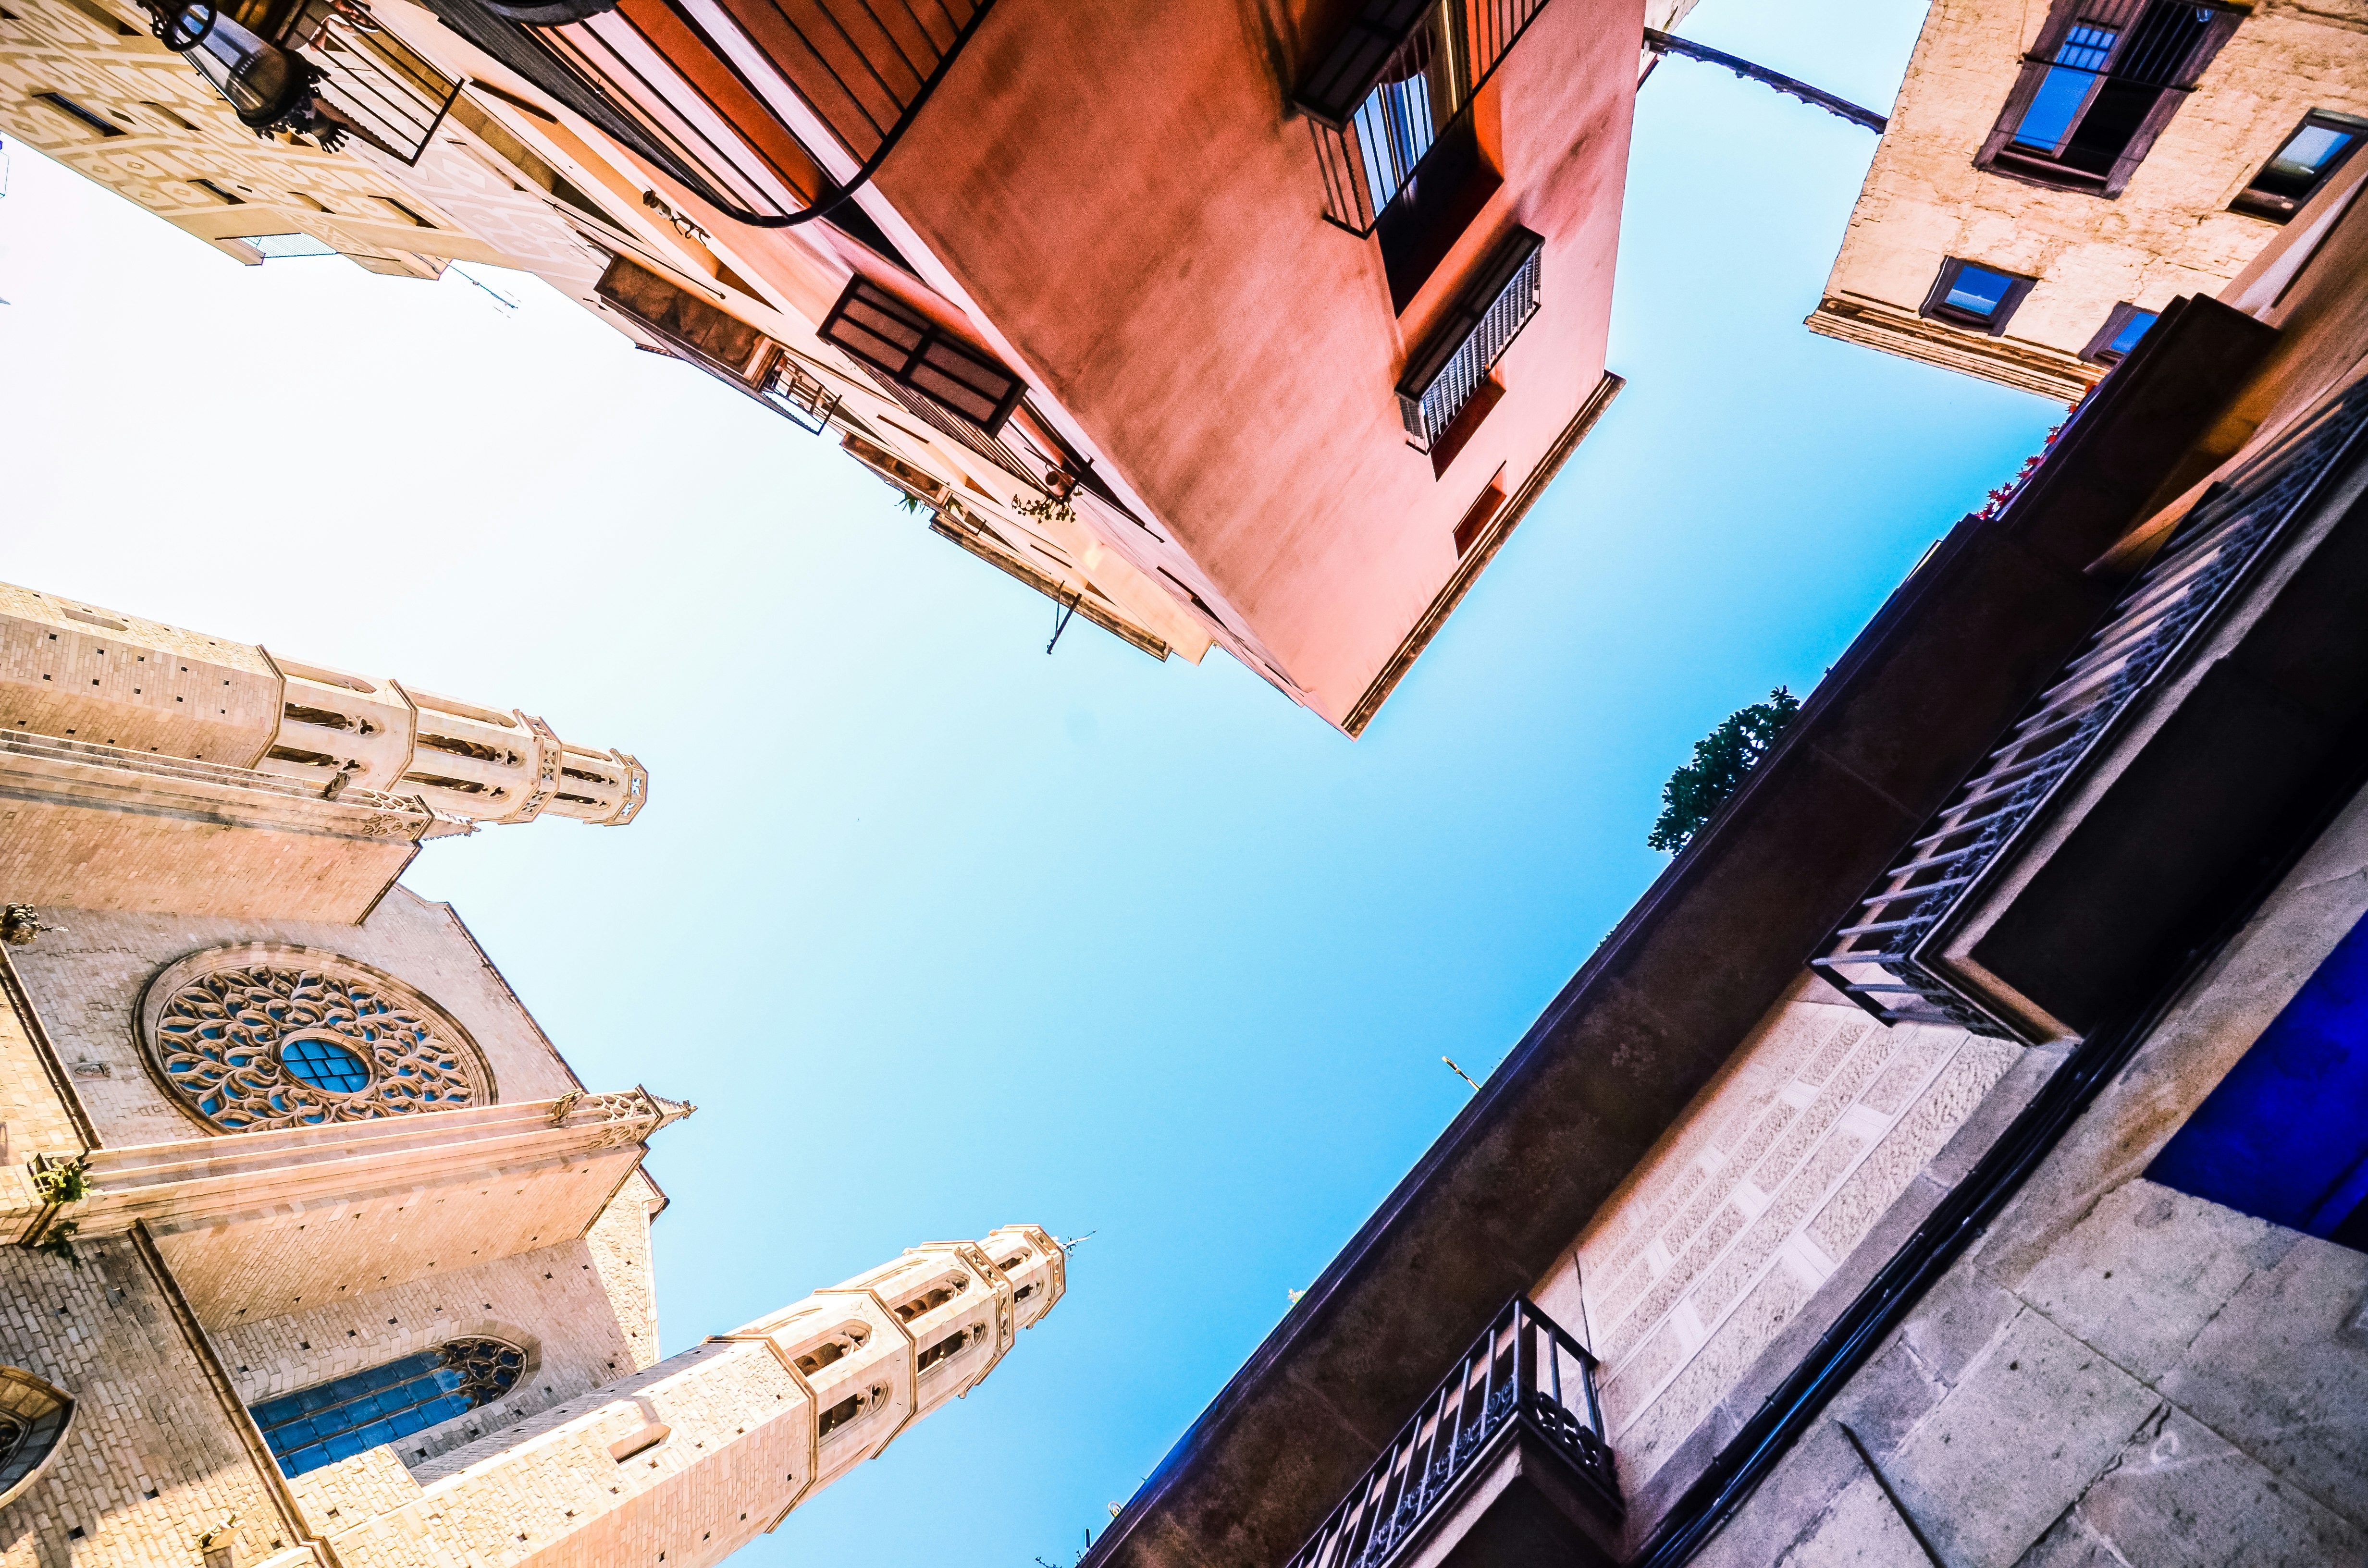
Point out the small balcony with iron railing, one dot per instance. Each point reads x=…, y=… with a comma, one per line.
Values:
x=1894, y=955
x=1504, y=1465
x=1445, y=379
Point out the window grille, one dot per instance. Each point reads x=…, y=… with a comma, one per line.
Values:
x=915, y=352
x=2106, y=78
x=387, y=94
x=1396, y=81
x=1492, y=311
x=335, y=1420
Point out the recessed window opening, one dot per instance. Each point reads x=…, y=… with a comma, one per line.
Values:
x=1024, y=1291
x=929, y=1301
x=299, y=754
x=324, y=717
x=2123, y=327
x=587, y=778
x=436, y=781
x=75, y=111
x=2305, y=161
x=335, y=1420
x=1969, y=294
x=455, y=747
x=641, y=1442
x=1482, y=512
x=950, y=1347
x=2090, y=106
x=221, y=193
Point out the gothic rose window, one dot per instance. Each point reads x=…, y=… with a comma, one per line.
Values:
x=257, y=1038
x=335, y=1420
x=34, y=1418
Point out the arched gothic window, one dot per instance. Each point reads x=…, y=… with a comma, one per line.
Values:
x=334, y=1420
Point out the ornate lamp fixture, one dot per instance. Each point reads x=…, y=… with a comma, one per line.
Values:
x=269, y=87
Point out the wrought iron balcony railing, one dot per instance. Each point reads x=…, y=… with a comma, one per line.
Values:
x=1526, y=1375
x=1491, y=311
x=1884, y=958
x=1392, y=87
x=771, y=111
x=381, y=91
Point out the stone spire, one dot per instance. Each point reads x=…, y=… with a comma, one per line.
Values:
x=691, y=1459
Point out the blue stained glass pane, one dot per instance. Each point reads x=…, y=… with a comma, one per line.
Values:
x=2132, y=330
x=324, y=1064
x=361, y=1410
x=1978, y=290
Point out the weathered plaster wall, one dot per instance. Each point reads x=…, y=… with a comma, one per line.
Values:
x=2169, y=234
x=2118, y=1372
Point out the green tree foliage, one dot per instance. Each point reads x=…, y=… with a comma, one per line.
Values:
x=1722, y=760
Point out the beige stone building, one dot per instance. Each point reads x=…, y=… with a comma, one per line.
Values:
x=318, y=1253
x=2055, y=175
x=438, y=161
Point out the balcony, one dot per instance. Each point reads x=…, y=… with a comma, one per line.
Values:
x=1391, y=102
x=1448, y=373
x=1504, y=1465
x=1896, y=956
x=381, y=91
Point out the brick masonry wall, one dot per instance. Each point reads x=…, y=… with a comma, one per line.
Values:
x=1770, y=1181
x=2116, y=1372
x=620, y=1246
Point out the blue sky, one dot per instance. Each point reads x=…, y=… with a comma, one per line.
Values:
x=942, y=932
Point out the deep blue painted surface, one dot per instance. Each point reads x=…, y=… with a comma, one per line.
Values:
x=2285, y=1135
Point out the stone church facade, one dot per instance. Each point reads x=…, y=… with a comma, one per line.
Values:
x=322, y=1252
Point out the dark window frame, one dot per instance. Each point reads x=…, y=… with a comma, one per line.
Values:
x=1936, y=306
x=2273, y=208
x=2101, y=347
x=2000, y=156
x=933, y=357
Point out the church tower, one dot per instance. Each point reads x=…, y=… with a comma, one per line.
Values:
x=320, y=1253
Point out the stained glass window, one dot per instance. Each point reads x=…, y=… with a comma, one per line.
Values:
x=335, y=1420
x=324, y=1064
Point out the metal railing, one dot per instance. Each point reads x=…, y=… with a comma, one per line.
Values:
x=801, y=396
x=1526, y=1373
x=1492, y=311
x=381, y=91
x=1393, y=86
x=1880, y=957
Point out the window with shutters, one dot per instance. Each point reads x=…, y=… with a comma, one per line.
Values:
x=2105, y=79
x=1452, y=368
x=915, y=353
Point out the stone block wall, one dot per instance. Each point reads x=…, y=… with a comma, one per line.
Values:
x=2117, y=1372
x=1783, y=1166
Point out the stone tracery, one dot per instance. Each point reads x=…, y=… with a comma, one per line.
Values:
x=253, y=1047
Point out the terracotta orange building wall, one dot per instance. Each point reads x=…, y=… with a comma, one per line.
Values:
x=1120, y=191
